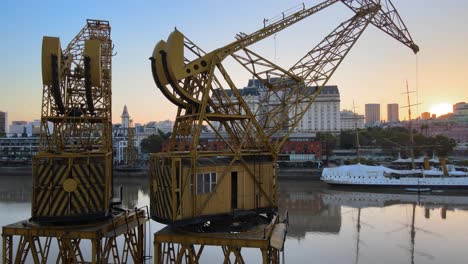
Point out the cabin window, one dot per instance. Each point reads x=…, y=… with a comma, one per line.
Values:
x=213, y=181
x=206, y=182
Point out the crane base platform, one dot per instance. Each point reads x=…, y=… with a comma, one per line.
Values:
x=180, y=245
x=119, y=239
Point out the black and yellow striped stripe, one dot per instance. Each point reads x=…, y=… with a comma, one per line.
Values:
x=51, y=200
x=161, y=191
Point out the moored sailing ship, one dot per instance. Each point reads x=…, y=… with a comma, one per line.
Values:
x=412, y=178
x=359, y=174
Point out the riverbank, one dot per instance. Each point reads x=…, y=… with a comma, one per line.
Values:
x=283, y=173
x=16, y=170
x=299, y=173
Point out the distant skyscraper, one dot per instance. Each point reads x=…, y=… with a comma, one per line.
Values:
x=3, y=122
x=125, y=118
x=392, y=113
x=425, y=115
x=18, y=127
x=460, y=109
x=372, y=114
x=33, y=128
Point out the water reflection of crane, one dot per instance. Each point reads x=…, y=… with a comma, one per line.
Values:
x=412, y=247
x=412, y=233
x=359, y=224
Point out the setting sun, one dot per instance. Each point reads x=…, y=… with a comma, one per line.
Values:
x=441, y=109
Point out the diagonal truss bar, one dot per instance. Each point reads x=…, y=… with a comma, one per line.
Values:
x=387, y=19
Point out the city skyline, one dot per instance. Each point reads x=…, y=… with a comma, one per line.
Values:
x=10, y=123
x=383, y=115
x=375, y=71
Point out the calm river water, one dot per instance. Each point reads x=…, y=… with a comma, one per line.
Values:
x=326, y=225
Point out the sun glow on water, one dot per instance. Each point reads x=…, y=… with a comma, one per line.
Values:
x=441, y=109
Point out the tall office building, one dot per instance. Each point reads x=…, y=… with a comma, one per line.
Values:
x=392, y=113
x=460, y=109
x=18, y=127
x=33, y=128
x=3, y=122
x=372, y=114
x=425, y=115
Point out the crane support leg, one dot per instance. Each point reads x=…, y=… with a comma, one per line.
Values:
x=34, y=241
x=173, y=246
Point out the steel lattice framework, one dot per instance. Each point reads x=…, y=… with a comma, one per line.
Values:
x=76, y=113
x=72, y=202
x=185, y=82
x=72, y=173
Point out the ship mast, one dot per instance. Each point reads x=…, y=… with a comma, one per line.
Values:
x=410, y=125
x=357, y=135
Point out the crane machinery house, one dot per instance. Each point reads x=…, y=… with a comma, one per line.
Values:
x=193, y=184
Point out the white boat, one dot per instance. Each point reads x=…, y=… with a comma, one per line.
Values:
x=364, y=175
x=411, y=179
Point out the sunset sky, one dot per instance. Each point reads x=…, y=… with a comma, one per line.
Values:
x=375, y=71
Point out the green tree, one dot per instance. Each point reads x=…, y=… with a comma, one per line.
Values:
x=328, y=138
x=443, y=145
x=154, y=143
x=347, y=139
x=398, y=139
x=165, y=136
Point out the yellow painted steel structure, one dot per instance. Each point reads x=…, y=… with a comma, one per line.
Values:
x=199, y=85
x=180, y=196
x=174, y=245
x=70, y=241
x=72, y=174
x=71, y=186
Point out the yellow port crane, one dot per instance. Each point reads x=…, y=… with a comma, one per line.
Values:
x=73, y=170
x=72, y=203
x=192, y=184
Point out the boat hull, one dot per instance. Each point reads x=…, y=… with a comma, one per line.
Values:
x=453, y=186
x=378, y=176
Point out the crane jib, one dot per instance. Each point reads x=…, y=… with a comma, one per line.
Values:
x=273, y=28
